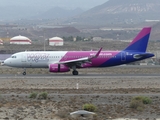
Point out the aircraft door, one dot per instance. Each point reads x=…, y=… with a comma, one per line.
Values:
x=23, y=60
x=123, y=56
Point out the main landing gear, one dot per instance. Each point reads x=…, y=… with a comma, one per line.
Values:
x=24, y=73
x=74, y=72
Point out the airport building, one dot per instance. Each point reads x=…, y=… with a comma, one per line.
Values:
x=22, y=40
x=97, y=39
x=1, y=42
x=56, y=41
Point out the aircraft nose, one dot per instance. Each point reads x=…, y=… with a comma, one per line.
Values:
x=7, y=62
x=2, y=63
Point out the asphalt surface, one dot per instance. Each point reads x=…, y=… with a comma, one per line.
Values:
x=89, y=74
x=64, y=76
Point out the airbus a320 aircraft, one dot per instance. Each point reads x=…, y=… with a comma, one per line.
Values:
x=64, y=61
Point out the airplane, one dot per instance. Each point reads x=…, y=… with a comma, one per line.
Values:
x=64, y=61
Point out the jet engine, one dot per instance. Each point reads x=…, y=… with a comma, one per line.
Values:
x=58, y=68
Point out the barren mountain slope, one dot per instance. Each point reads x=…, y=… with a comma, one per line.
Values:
x=124, y=11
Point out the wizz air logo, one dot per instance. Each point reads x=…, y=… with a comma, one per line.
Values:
x=36, y=57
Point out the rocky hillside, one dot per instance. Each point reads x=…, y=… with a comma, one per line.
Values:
x=129, y=6
x=121, y=11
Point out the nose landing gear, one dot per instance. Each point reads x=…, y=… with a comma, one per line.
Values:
x=24, y=73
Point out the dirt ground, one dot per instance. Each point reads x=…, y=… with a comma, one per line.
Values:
x=111, y=94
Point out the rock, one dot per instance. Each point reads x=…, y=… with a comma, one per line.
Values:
x=43, y=101
x=6, y=118
x=35, y=117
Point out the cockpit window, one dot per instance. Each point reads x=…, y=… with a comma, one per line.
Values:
x=13, y=56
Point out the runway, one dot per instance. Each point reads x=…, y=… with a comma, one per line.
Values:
x=136, y=71
x=81, y=76
x=128, y=71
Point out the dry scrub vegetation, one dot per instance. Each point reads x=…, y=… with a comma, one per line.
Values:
x=113, y=96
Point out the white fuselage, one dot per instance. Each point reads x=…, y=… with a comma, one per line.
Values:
x=35, y=59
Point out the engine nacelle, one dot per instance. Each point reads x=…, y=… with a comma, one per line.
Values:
x=58, y=68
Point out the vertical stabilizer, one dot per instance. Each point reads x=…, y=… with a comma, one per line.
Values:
x=140, y=42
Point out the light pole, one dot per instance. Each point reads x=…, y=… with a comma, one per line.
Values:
x=44, y=43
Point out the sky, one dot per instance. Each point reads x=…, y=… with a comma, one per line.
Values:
x=84, y=4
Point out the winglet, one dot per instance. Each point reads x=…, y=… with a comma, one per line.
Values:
x=97, y=54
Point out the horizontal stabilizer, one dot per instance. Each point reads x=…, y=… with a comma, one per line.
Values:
x=138, y=56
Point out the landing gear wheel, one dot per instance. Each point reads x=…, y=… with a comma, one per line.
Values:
x=24, y=73
x=75, y=72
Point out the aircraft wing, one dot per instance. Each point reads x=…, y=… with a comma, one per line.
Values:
x=80, y=60
x=75, y=60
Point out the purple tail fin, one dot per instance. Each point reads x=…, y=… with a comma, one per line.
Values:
x=140, y=42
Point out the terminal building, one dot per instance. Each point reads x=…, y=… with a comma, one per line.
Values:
x=20, y=40
x=56, y=41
